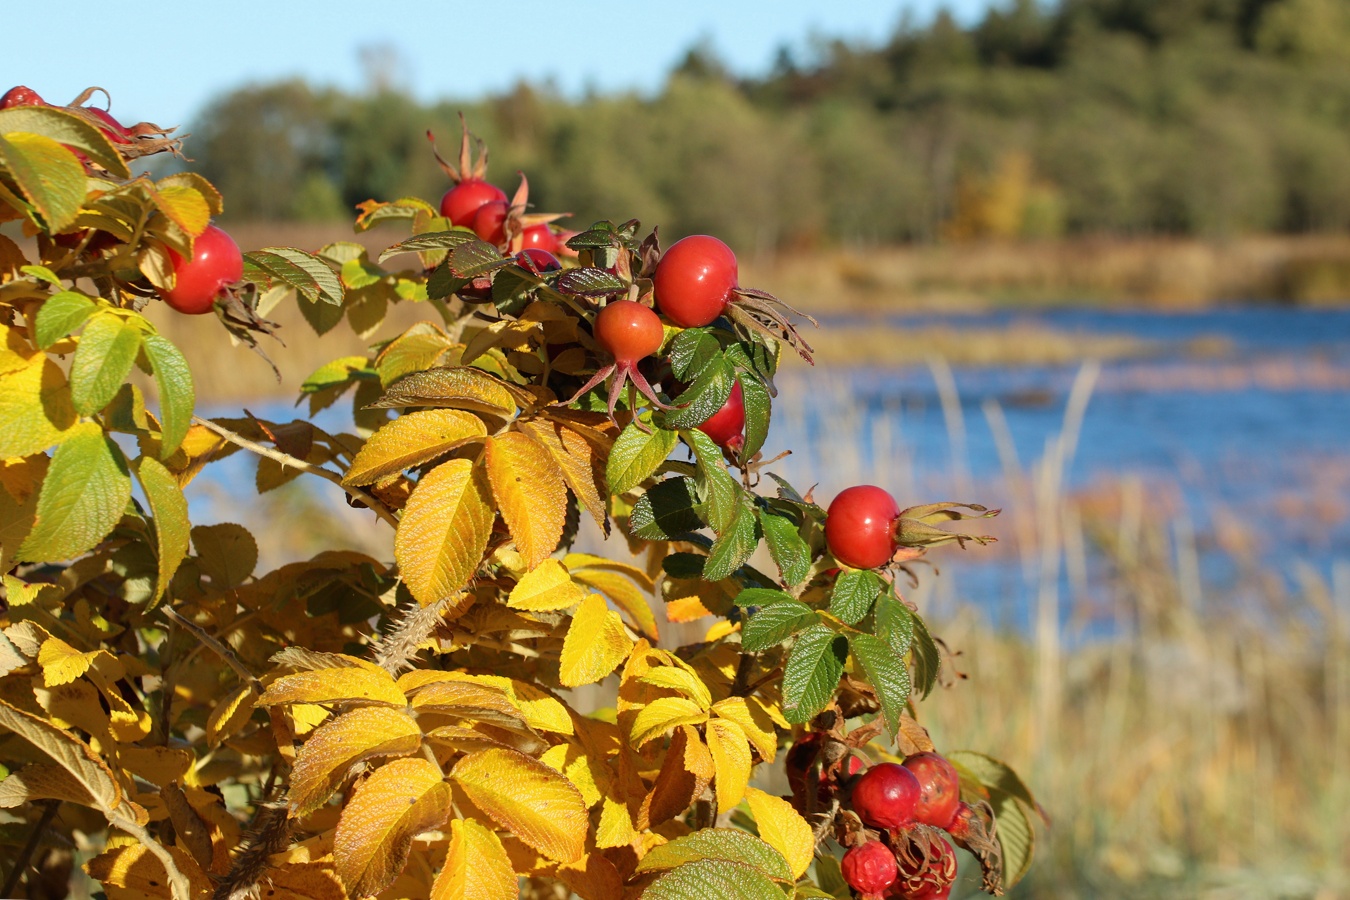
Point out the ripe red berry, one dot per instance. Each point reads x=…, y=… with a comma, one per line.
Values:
x=869, y=868
x=216, y=262
x=727, y=426
x=885, y=795
x=939, y=789
x=858, y=527
x=694, y=280
x=539, y=237
x=21, y=96
x=112, y=129
x=489, y=222
x=928, y=876
x=629, y=331
x=542, y=260
x=461, y=203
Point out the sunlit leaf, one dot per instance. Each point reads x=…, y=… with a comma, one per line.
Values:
x=330, y=751
x=84, y=495
x=412, y=440
x=595, y=645
x=530, y=493
x=444, y=530
x=537, y=804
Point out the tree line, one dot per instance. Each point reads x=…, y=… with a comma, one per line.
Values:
x=1195, y=117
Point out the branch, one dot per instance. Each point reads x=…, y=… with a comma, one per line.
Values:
x=225, y=653
x=26, y=855
x=290, y=461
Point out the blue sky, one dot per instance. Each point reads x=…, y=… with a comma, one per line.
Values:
x=162, y=62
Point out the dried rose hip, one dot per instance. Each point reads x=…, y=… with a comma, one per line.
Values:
x=869, y=868
x=939, y=789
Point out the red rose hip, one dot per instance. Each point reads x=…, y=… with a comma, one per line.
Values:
x=216, y=263
x=859, y=526
x=869, y=869
x=727, y=426
x=885, y=796
x=461, y=203
x=694, y=280
x=21, y=96
x=939, y=789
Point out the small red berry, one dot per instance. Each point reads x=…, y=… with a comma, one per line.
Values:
x=542, y=260
x=869, y=868
x=885, y=795
x=629, y=331
x=539, y=237
x=694, y=280
x=858, y=527
x=726, y=427
x=939, y=789
x=489, y=223
x=216, y=262
x=461, y=203
x=21, y=96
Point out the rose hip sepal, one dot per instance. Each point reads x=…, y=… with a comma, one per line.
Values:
x=925, y=863
x=970, y=829
x=629, y=332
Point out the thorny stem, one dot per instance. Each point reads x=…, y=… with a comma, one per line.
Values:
x=290, y=461
x=220, y=649
x=26, y=855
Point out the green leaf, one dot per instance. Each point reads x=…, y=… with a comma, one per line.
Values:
x=812, y=672
x=731, y=844
x=758, y=409
x=888, y=675
x=169, y=508
x=705, y=396
x=994, y=774
x=684, y=565
x=475, y=258
x=775, y=623
x=177, y=397
x=760, y=597
x=48, y=175
x=894, y=624
x=735, y=544
x=636, y=455
x=311, y=275
x=83, y=496
x=60, y=314
x=65, y=128
x=431, y=240
x=718, y=491
x=831, y=878
x=709, y=878
x=107, y=351
x=790, y=553
x=691, y=351
x=589, y=281
x=666, y=511
x=927, y=659
x=1015, y=836
x=855, y=590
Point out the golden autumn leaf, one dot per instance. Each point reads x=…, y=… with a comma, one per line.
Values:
x=62, y=663
x=411, y=440
x=132, y=871
x=70, y=753
x=783, y=829
x=537, y=804
x=468, y=700
x=345, y=684
x=593, y=877
x=329, y=753
x=663, y=714
x=731, y=759
x=476, y=866
x=462, y=387
x=572, y=761
x=42, y=781
x=302, y=881
x=595, y=644
x=684, y=680
x=626, y=596
x=547, y=586
x=685, y=774
x=530, y=493
x=581, y=467
x=754, y=721
x=444, y=530
x=230, y=714
x=399, y=801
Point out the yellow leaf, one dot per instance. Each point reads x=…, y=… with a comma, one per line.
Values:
x=534, y=802
x=476, y=866
x=572, y=761
x=754, y=721
x=68, y=752
x=132, y=871
x=530, y=494
x=582, y=468
x=399, y=801
x=547, y=586
x=462, y=387
x=625, y=595
x=35, y=406
x=594, y=645
x=731, y=759
x=468, y=700
x=783, y=829
x=345, y=684
x=576, y=561
x=593, y=877
x=444, y=530
x=615, y=828
x=412, y=440
x=328, y=755
x=231, y=713
x=42, y=781
x=685, y=774
x=663, y=714
x=157, y=765
x=62, y=663
x=542, y=712
x=303, y=881
x=682, y=680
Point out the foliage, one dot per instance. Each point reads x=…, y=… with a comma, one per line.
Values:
x=347, y=726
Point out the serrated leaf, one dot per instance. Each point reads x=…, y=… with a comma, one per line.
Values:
x=581, y=465
x=62, y=663
x=887, y=673
x=328, y=754
x=691, y=351
x=71, y=754
x=169, y=510
x=135, y=873
x=754, y=720
x=548, y=586
x=342, y=684
x=47, y=173
x=374, y=835
x=812, y=672
x=760, y=597
x=790, y=553
x=636, y=455
x=431, y=240
x=705, y=396
x=530, y=493
x=855, y=590
x=444, y=530
x=183, y=205
x=462, y=387
x=412, y=440
x=41, y=781
x=230, y=714
x=418, y=348
x=721, y=495
x=662, y=715
x=227, y=552
x=532, y=801
x=666, y=511
x=60, y=314
x=107, y=351
x=65, y=128
x=731, y=758
x=623, y=593
x=718, y=878
x=590, y=281
x=477, y=866
x=308, y=274
x=83, y=496
x=177, y=396
x=758, y=411
x=783, y=829
x=36, y=408
x=475, y=258
x=1015, y=836
x=735, y=544
x=595, y=645
x=927, y=658
x=680, y=679
x=775, y=623
x=894, y=624
x=730, y=844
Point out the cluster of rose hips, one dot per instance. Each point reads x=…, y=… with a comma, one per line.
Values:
x=892, y=817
